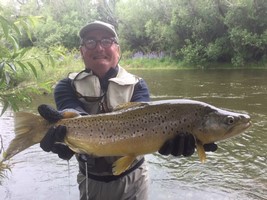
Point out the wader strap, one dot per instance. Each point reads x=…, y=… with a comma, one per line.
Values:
x=110, y=178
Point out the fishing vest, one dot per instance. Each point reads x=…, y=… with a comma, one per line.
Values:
x=95, y=100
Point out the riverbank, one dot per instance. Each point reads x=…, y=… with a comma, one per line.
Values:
x=168, y=63
x=73, y=63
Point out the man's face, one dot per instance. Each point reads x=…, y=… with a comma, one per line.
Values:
x=100, y=59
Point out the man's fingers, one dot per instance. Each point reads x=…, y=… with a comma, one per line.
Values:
x=49, y=139
x=178, y=146
x=210, y=147
x=49, y=113
x=166, y=149
x=60, y=133
x=189, y=147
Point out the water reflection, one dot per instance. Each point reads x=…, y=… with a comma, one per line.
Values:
x=237, y=170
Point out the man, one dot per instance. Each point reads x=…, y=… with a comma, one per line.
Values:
x=99, y=88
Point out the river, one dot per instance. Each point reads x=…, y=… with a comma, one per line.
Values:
x=237, y=170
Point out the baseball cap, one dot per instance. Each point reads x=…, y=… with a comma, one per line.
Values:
x=98, y=25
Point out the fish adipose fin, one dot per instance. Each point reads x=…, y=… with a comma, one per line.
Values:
x=122, y=164
x=201, y=151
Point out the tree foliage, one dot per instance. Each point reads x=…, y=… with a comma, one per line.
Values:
x=197, y=31
x=15, y=59
x=194, y=31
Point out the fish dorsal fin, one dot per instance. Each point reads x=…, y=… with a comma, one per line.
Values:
x=201, y=151
x=122, y=164
x=129, y=105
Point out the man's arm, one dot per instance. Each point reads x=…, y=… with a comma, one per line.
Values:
x=141, y=92
x=66, y=98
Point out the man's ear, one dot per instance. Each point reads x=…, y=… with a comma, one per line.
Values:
x=81, y=51
x=119, y=50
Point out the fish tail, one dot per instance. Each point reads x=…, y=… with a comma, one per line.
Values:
x=29, y=130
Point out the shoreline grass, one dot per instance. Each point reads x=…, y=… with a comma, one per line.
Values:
x=146, y=63
x=68, y=62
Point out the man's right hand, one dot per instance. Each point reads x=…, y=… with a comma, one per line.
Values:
x=51, y=140
x=54, y=138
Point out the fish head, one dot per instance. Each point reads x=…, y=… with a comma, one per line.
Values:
x=218, y=124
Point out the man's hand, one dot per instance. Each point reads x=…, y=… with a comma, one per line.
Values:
x=54, y=138
x=51, y=140
x=183, y=144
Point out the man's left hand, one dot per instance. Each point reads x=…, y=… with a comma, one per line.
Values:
x=183, y=144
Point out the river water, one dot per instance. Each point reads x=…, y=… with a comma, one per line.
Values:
x=237, y=170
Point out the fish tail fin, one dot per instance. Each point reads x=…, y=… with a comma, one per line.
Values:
x=29, y=130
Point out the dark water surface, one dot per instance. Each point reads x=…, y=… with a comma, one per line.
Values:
x=237, y=170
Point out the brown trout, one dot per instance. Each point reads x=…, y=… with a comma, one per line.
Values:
x=133, y=129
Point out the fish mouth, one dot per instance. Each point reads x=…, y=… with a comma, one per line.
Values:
x=247, y=125
x=237, y=129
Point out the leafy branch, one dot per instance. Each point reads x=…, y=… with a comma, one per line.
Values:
x=16, y=59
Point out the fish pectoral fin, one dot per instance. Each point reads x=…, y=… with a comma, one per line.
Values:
x=201, y=151
x=122, y=164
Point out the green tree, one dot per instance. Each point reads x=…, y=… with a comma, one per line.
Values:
x=132, y=17
x=246, y=21
x=15, y=59
x=196, y=31
x=62, y=21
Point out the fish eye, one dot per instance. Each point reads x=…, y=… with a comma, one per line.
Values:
x=230, y=120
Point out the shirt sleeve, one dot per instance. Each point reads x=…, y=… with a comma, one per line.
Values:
x=141, y=92
x=66, y=98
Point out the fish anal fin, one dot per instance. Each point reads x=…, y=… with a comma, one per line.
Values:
x=122, y=164
x=201, y=151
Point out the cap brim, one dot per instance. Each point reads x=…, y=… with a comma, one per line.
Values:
x=97, y=26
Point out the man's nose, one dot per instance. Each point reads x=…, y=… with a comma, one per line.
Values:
x=99, y=46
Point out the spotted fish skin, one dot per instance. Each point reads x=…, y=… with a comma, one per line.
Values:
x=134, y=129
x=144, y=127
